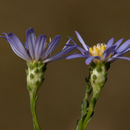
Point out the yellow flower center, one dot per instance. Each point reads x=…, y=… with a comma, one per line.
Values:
x=97, y=50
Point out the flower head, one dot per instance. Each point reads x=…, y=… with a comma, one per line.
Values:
x=36, y=49
x=101, y=52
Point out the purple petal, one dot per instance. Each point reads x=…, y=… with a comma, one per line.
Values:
x=124, y=58
x=91, y=58
x=110, y=42
x=117, y=44
x=40, y=41
x=51, y=46
x=108, y=51
x=26, y=45
x=60, y=55
x=82, y=50
x=16, y=46
x=118, y=57
x=67, y=43
x=75, y=56
x=18, y=53
x=72, y=40
x=30, y=39
x=123, y=52
x=15, y=40
x=82, y=41
x=126, y=51
x=124, y=46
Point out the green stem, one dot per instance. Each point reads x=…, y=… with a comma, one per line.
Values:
x=35, y=77
x=33, y=100
x=94, y=84
x=85, y=105
x=90, y=111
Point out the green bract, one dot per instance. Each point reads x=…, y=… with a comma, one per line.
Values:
x=35, y=77
x=94, y=83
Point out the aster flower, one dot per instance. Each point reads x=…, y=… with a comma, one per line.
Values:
x=108, y=52
x=36, y=49
x=99, y=57
x=37, y=53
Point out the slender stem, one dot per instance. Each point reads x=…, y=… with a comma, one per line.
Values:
x=33, y=100
x=84, y=106
x=90, y=111
x=94, y=84
x=35, y=77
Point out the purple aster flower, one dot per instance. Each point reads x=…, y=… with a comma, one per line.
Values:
x=108, y=52
x=37, y=52
x=36, y=49
x=99, y=58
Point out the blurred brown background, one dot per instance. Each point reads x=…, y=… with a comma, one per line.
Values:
x=61, y=94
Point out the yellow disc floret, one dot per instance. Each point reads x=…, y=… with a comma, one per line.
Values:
x=97, y=50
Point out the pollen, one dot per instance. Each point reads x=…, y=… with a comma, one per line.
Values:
x=97, y=50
